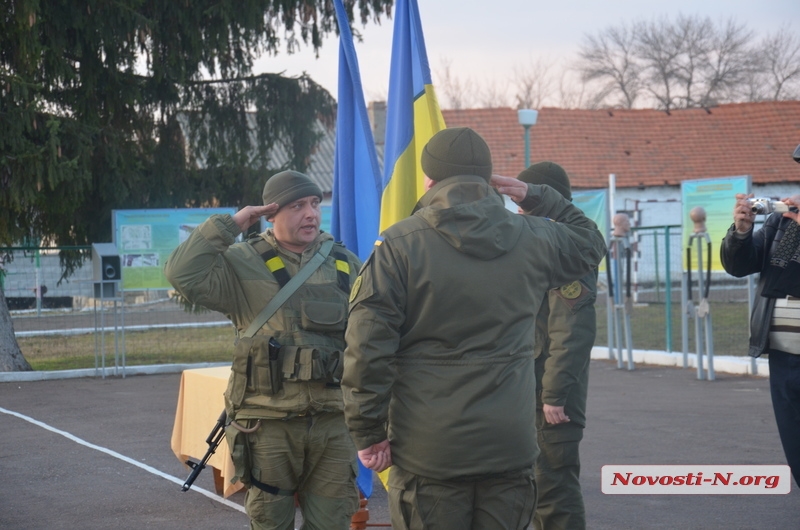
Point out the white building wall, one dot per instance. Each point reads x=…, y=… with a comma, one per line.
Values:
x=661, y=206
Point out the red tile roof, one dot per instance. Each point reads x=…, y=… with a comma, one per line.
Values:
x=647, y=147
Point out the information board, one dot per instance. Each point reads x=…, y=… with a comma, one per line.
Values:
x=717, y=197
x=145, y=239
x=594, y=205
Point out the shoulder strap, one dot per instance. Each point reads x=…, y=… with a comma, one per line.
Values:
x=289, y=289
x=342, y=269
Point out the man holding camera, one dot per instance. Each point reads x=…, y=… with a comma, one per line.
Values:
x=288, y=433
x=773, y=251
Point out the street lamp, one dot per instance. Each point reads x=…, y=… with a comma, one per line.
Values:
x=527, y=117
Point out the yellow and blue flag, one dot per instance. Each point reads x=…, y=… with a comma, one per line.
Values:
x=412, y=116
x=356, y=177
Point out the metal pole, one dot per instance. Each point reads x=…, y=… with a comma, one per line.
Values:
x=699, y=320
x=37, y=290
x=96, y=338
x=686, y=308
x=750, y=301
x=658, y=275
x=668, y=296
x=527, y=146
x=610, y=311
x=122, y=319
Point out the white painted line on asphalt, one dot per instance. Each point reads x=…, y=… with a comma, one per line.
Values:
x=149, y=469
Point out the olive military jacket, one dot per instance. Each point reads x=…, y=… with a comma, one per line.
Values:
x=440, y=337
x=211, y=270
x=566, y=327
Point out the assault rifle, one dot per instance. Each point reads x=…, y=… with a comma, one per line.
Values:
x=213, y=441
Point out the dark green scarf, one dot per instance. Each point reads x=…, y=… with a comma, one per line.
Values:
x=783, y=272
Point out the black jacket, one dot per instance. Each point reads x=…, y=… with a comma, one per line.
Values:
x=745, y=254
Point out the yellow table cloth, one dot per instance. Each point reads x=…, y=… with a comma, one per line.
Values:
x=200, y=403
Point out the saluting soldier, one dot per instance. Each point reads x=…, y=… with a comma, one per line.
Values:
x=286, y=433
x=565, y=331
x=439, y=377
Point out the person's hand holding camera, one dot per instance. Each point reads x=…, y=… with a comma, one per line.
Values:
x=743, y=215
x=793, y=203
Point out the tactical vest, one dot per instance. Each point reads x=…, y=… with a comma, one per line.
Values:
x=309, y=327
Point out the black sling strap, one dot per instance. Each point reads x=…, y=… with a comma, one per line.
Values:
x=274, y=490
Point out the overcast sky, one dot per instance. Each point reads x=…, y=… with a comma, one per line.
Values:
x=483, y=39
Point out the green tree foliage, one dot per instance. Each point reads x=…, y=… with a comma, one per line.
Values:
x=117, y=104
x=98, y=98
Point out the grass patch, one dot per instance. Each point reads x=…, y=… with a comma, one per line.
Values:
x=730, y=327
x=161, y=346
x=215, y=344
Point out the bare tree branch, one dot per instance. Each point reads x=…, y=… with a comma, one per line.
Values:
x=780, y=57
x=457, y=94
x=534, y=84
x=610, y=59
x=571, y=90
x=658, y=47
x=492, y=95
x=693, y=37
x=727, y=65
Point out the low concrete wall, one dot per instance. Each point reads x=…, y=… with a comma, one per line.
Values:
x=722, y=363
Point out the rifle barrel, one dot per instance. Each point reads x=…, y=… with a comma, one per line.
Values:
x=213, y=440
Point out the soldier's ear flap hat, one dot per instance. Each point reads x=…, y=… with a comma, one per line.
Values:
x=288, y=186
x=456, y=151
x=548, y=173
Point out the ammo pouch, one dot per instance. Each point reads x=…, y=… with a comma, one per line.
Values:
x=301, y=363
x=256, y=369
x=311, y=364
x=260, y=368
x=240, y=454
x=323, y=317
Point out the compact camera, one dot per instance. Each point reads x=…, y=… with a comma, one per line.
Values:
x=764, y=205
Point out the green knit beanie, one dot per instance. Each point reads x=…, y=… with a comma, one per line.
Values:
x=456, y=151
x=288, y=186
x=548, y=173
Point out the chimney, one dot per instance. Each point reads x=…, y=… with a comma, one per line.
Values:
x=377, y=117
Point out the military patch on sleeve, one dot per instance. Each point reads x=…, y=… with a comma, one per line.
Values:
x=355, y=289
x=571, y=291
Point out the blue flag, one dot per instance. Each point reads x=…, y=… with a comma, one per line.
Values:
x=356, y=177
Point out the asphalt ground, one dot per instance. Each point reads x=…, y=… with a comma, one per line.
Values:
x=95, y=453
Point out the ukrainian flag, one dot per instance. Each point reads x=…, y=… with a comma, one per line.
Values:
x=356, y=176
x=412, y=116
